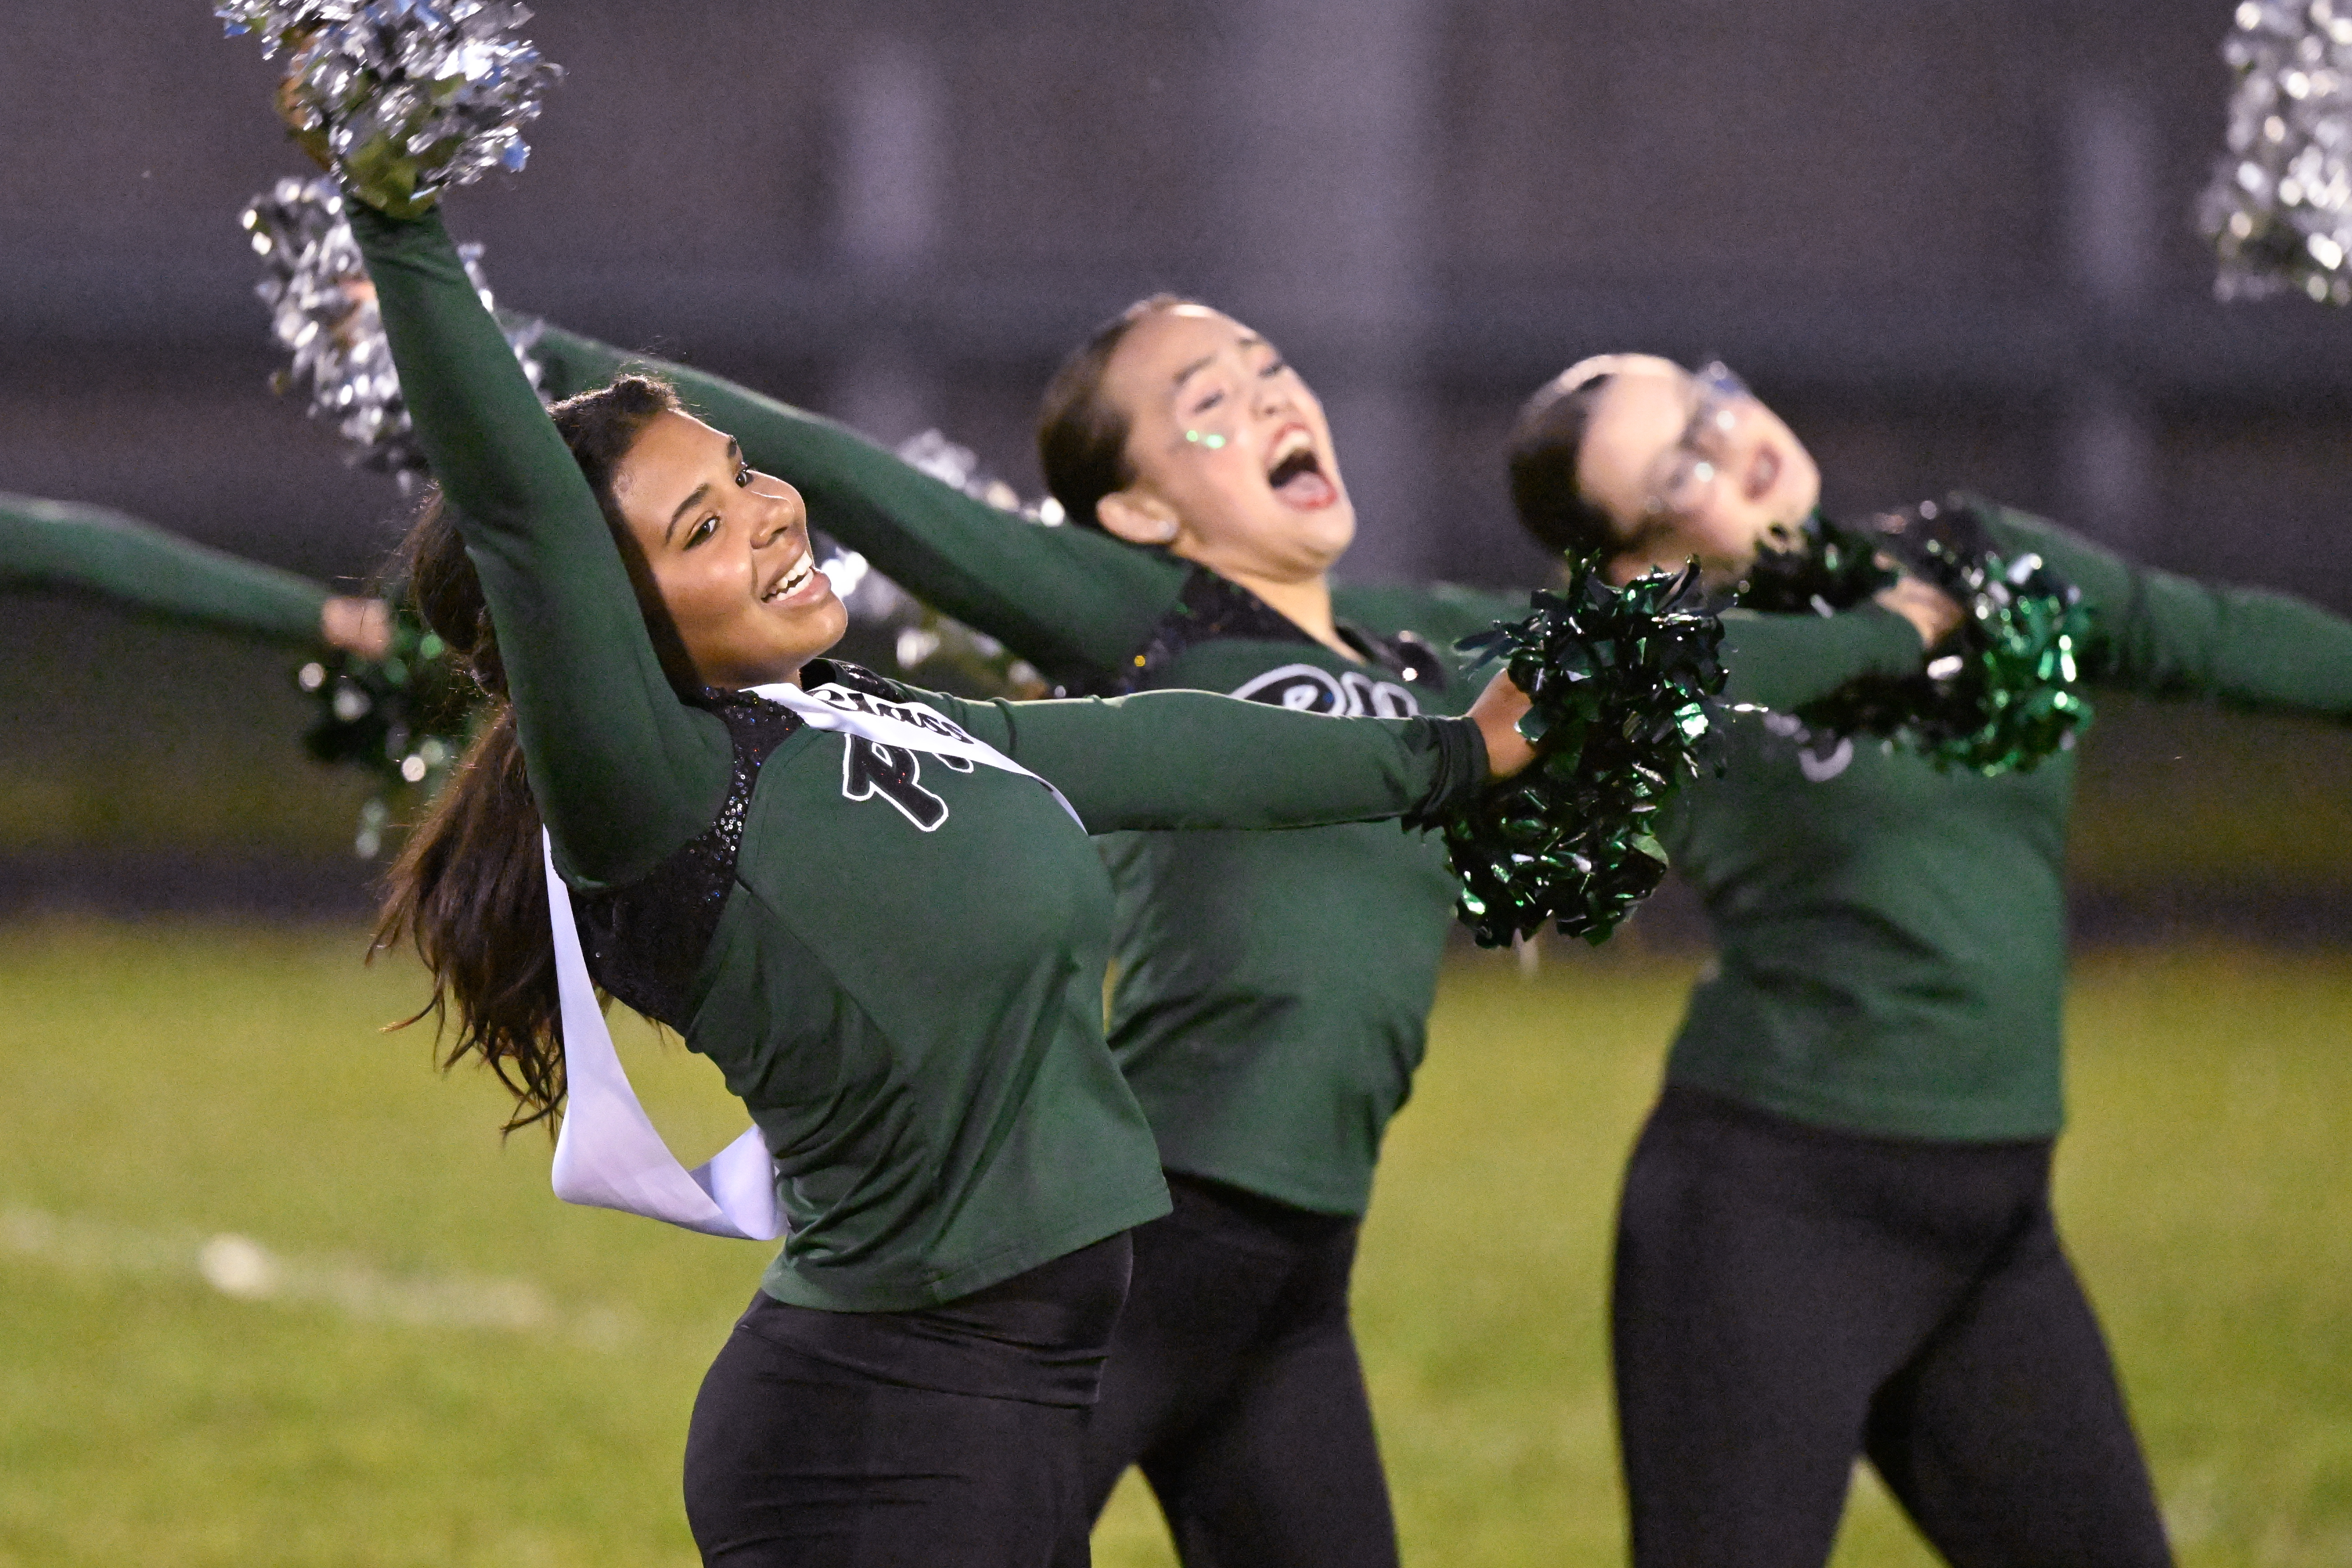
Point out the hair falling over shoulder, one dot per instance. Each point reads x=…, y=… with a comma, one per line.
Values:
x=469, y=891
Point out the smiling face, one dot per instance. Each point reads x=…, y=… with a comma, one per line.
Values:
x=1689, y=465
x=729, y=549
x=1233, y=460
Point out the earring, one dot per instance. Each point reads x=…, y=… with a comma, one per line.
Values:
x=1166, y=532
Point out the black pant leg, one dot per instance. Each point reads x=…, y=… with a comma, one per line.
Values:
x=1764, y=1286
x=1233, y=1381
x=2007, y=1437
x=1287, y=1473
x=793, y=1463
x=1197, y=1300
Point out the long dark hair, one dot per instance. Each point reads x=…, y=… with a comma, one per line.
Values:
x=1546, y=449
x=468, y=890
x=1081, y=435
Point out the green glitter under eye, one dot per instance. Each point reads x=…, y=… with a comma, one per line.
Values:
x=1212, y=441
x=1619, y=679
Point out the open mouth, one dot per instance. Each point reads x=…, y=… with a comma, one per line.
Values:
x=1297, y=477
x=1763, y=473
x=794, y=580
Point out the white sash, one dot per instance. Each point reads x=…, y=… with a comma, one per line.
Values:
x=608, y=1155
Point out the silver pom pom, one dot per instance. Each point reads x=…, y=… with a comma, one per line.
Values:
x=952, y=464
x=323, y=313
x=2279, y=209
x=406, y=97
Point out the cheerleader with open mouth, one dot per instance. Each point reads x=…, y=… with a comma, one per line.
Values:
x=1835, y=1238
x=1272, y=991
x=879, y=910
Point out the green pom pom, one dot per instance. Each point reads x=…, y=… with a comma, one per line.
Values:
x=1620, y=680
x=1836, y=569
x=403, y=718
x=2003, y=695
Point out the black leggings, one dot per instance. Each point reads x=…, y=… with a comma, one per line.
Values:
x=1233, y=1381
x=1788, y=1298
x=943, y=1438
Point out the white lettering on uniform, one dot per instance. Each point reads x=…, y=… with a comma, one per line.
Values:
x=1819, y=766
x=1308, y=688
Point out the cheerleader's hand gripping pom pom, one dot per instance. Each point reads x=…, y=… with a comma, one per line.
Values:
x=2002, y=694
x=322, y=312
x=2278, y=210
x=1618, y=682
x=1835, y=570
x=402, y=99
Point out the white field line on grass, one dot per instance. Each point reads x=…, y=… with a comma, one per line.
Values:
x=243, y=1269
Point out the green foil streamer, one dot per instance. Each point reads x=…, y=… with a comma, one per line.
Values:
x=403, y=718
x=1619, y=681
x=2003, y=694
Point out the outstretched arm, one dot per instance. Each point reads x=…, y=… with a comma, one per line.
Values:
x=1193, y=758
x=1770, y=661
x=623, y=771
x=1071, y=600
x=60, y=545
x=2169, y=635
x=1787, y=662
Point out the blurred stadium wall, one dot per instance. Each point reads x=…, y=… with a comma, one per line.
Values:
x=1949, y=238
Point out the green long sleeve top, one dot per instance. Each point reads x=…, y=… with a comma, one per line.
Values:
x=1891, y=938
x=63, y=546
x=1271, y=991
x=910, y=1009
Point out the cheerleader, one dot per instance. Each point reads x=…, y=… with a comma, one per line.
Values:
x=893, y=949
x=1272, y=990
x=1835, y=1236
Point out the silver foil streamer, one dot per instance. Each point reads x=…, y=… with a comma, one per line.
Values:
x=407, y=97
x=2279, y=208
x=323, y=313
x=952, y=464
x=927, y=643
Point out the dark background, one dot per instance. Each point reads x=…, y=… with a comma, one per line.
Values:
x=1949, y=239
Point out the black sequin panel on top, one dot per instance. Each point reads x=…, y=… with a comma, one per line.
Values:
x=1213, y=607
x=644, y=941
x=856, y=677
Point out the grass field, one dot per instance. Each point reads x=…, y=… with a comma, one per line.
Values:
x=270, y=1292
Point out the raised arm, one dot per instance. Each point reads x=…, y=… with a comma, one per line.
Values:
x=623, y=771
x=2169, y=635
x=60, y=545
x=1193, y=758
x=1071, y=600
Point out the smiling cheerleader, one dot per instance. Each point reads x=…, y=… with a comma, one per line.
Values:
x=862, y=901
x=1272, y=991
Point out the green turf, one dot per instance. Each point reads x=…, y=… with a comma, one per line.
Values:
x=460, y=1371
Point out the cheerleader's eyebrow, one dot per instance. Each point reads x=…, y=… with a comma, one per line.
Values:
x=1197, y=365
x=702, y=491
